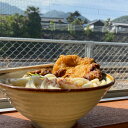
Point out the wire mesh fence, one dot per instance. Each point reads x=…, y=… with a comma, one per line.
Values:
x=113, y=57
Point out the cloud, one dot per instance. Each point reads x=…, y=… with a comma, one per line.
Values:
x=118, y=5
x=94, y=8
x=95, y=4
x=98, y=4
x=89, y=8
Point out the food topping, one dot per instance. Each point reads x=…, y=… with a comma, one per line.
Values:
x=73, y=66
x=68, y=72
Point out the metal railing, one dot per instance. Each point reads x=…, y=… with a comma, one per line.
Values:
x=62, y=27
x=72, y=27
x=112, y=56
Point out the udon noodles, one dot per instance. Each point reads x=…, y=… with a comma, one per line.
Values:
x=50, y=81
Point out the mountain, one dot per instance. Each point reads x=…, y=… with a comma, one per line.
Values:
x=122, y=19
x=6, y=8
x=57, y=14
x=60, y=14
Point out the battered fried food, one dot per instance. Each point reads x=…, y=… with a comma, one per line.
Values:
x=42, y=71
x=73, y=66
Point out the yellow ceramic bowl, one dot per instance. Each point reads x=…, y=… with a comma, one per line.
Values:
x=50, y=108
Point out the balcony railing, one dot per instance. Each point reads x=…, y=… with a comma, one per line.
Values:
x=112, y=56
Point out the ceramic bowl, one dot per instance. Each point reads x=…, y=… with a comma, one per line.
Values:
x=51, y=108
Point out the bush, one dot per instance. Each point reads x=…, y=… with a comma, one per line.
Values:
x=88, y=31
x=109, y=36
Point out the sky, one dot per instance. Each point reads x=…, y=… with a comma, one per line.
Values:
x=91, y=9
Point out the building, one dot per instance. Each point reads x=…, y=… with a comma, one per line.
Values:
x=96, y=25
x=52, y=19
x=119, y=28
x=52, y=23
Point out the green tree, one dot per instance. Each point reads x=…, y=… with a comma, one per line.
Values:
x=52, y=25
x=109, y=36
x=5, y=26
x=76, y=14
x=88, y=31
x=70, y=18
x=18, y=25
x=108, y=22
x=107, y=25
x=73, y=16
x=13, y=26
x=34, y=27
x=78, y=21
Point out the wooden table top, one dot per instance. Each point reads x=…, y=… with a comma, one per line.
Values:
x=104, y=115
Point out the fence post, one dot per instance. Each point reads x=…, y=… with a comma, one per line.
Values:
x=68, y=27
x=89, y=50
x=54, y=26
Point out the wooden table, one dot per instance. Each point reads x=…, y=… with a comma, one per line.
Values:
x=104, y=115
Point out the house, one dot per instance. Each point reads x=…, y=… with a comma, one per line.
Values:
x=96, y=25
x=52, y=22
x=4, y=14
x=119, y=27
x=48, y=20
x=52, y=19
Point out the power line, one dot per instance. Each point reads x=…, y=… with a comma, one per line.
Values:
x=55, y=4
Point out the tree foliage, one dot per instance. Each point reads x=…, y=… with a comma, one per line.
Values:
x=34, y=22
x=28, y=25
x=78, y=21
x=107, y=25
x=18, y=26
x=74, y=18
x=109, y=36
x=88, y=31
x=5, y=26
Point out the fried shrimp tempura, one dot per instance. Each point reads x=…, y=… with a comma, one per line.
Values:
x=73, y=66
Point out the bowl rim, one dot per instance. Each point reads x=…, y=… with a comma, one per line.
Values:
x=59, y=90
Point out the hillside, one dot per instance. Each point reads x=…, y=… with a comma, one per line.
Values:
x=60, y=14
x=122, y=19
x=6, y=8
